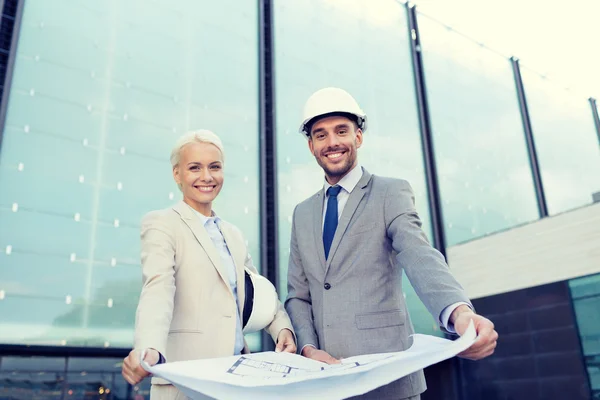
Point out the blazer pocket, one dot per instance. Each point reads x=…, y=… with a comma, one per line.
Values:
x=184, y=331
x=380, y=319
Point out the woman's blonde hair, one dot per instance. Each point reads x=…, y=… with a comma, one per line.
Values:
x=199, y=136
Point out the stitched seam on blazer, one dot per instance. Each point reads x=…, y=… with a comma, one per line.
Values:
x=185, y=331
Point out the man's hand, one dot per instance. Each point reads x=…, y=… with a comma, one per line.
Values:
x=132, y=370
x=487, y=336
x=319, y=355
x=285, y=342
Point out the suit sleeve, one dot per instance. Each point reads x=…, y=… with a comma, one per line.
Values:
x=155, y=307
x=281, y=320
x=299, y=303
x=425, y=266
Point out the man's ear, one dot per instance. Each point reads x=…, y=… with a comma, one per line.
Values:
x=359, y=138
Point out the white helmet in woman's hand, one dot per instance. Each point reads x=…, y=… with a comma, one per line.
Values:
x=260, y=303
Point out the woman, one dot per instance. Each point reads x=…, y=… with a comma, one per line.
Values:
x=193, y=267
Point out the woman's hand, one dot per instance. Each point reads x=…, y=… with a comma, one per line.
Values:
x=132, y=370
x=285, y=342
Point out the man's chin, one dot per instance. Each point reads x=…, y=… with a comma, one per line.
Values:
x=337, y=172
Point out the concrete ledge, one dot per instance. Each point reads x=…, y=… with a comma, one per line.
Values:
x=553, y=249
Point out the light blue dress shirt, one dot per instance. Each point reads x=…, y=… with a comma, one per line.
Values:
x=211, y=224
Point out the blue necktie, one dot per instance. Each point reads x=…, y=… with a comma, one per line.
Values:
x=331, y=218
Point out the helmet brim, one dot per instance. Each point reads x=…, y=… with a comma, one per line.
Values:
x=306, y=127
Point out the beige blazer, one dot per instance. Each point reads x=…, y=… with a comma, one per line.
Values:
x=186, y=309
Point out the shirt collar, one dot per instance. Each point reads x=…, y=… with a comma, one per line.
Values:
x=349, y=181
x=204, y=219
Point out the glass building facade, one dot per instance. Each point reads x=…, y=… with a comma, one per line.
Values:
x=96, y=94
x=91, y=118
x=485, y=180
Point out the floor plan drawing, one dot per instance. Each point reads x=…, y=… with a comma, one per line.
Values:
x=273, y=376
x=248, y=367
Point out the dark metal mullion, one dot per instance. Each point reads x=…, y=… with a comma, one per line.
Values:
x=435, y=204
x=594, y=106
x=61, y=351
x=533, y=158
x=10, y=63
x=268, y=172
x=112, y=385
x=65, y=379
x=2, y=9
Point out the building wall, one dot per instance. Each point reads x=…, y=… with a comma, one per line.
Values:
x=108, y=90
x=539, y=351
x=539, y=283
x=553, y=249
x=98, y=95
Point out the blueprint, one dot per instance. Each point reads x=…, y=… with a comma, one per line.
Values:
x=270, y=375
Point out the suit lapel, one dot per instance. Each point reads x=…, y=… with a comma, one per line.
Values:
x=236, y=249
x=193, y=222
x=317, y=218
x=349, y=209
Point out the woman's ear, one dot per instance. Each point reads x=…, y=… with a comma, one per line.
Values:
x=176, y=175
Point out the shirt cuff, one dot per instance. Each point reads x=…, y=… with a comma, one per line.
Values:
x=447, y=312
x=305, y=346
x=161, y=359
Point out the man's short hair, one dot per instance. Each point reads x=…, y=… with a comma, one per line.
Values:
x=351, y=117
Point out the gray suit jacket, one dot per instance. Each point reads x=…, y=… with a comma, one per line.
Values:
x=353, y=303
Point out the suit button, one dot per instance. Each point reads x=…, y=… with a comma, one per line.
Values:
x=327, y=286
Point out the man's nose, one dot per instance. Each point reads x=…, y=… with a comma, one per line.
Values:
x=332, y=140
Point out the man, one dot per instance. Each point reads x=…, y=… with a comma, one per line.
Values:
x=350, y=243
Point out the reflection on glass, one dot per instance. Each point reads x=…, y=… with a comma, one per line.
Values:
x=566, y=142
x=483, y=167
x=66, y=378
x=366, y=53
x=586, y=301
x=99, y=94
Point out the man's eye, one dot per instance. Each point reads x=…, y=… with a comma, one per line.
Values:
x=194, y=168
x=342, y=132
x=216, y=167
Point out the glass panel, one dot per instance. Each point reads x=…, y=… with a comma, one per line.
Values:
x=29, y=364
x=485, y=179
x=566, y=142
x=85, y=385
x=366, y=53
x=24, y=378
x=99, y=95
x=77, y=378
x=586, y=300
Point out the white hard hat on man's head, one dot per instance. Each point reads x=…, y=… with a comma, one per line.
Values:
x=331, y=101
